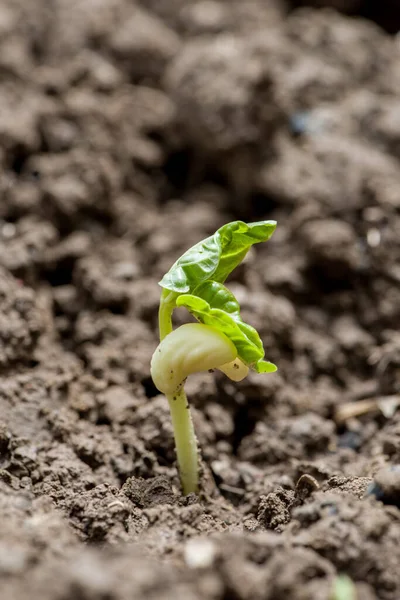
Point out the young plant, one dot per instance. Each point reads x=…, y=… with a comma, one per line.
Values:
x=220, y=340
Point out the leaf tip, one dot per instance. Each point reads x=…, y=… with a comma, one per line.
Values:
x=264, y=366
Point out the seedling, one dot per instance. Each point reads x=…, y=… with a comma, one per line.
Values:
x=220, y=340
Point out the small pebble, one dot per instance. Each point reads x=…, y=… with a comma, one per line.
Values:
x=350, y=439
x=199, y=553
x=13, y=559
x=8, y=230
x=386, y=485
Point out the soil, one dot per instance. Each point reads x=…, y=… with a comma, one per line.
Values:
x=131, y=130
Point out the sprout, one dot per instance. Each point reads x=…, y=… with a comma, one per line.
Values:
x=220, y=340
x=189, y=349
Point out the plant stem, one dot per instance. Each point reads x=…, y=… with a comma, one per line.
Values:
x=185, y=438
x=167, y=305
x=185, y=441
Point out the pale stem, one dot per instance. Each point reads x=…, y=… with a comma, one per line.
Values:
x=185, y=438
x=185, y=441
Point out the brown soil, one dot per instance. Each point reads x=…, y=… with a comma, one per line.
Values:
x=130, y=130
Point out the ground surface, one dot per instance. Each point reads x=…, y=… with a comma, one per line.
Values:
x=128, y=132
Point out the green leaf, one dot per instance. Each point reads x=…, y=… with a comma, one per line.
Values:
x=213, y=304
x=215, y=257
x=236, y=240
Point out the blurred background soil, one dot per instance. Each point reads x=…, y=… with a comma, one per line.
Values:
x=129, y=131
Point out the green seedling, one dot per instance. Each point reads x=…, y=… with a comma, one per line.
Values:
x=220, y=340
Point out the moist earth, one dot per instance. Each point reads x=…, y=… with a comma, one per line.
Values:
x=131, y=130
